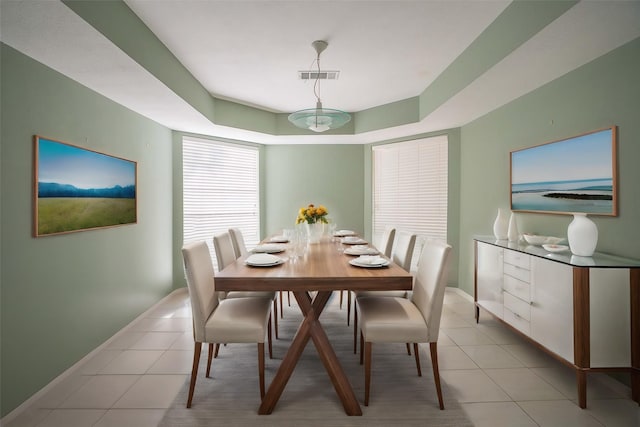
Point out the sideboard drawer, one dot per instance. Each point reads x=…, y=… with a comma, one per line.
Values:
x=518, y=259
x=517, y=322
x=518, y=272
x=517, y=288
x=517, y=306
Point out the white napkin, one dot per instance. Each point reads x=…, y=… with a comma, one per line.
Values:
x=361, y=250
x=352, y=239
x=279, y=239
x=371, y=260
x=262, y=259
x=269, y=247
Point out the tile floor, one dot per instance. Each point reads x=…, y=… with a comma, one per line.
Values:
x=498, y=377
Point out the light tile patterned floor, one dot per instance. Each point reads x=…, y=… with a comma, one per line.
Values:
x=499, y=378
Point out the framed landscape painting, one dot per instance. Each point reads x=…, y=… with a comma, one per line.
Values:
x=577, y=174
x=77, y=189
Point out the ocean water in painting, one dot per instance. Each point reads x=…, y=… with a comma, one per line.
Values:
x=586, y=195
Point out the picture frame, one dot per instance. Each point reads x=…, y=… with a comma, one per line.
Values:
x=575, y=174
x=77, y=189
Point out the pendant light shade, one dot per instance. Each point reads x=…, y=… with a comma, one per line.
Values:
x=319, y=119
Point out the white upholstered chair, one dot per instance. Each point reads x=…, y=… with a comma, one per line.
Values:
x=225, y=254
x=233, y=320
x=402, y=254
x=403, y=320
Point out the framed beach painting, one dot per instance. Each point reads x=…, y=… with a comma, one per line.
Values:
x=78, y=189
x=577, y=174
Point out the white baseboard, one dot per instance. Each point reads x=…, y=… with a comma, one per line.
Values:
x=460, y=292
x=64, y=375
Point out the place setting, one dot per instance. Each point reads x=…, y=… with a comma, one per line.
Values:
x=370, y=261
x=353, y=240
x=344, y=233
x=263, y=260
x=358, y=250
x=269, y=248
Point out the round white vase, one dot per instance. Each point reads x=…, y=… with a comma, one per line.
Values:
x=500, y=226
x=582, y=235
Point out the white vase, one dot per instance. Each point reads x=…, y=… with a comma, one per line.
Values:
x=582, y=234
x=500, y=226
x=512, y=232
x=315, y=231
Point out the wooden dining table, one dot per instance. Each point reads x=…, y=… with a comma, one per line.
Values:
x=322, y=269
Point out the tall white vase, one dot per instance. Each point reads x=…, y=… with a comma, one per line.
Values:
x=582, y=234
x=315, y=231
x=512, y=232
x=500, y=226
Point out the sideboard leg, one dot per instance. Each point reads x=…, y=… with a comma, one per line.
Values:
x=581, y=376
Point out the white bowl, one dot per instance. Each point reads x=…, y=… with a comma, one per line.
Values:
x=534, y=239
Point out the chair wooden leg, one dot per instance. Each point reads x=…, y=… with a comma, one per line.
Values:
x=367, y=372
x=361, y=347
x=209, y=356
x=194, y=371
x=409, y=349
x=355, y=328
x=433, y=346
x=417, y=353
x=215, y=353
x=289, y=298
x=275, y=316
x=341, y=292
x=348, y=307
x=269, y=337
x=281, y=306
x=261, y=367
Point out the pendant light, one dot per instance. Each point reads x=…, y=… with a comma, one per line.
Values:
x=319, y=119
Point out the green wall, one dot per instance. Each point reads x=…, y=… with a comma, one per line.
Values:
x=296, y=175
x=599, y=94
x=62, y=296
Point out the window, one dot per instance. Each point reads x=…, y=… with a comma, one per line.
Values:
x=410, y=188
x=220, y=190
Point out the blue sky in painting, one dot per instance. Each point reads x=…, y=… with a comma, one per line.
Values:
x=583, y=157
x=66, y=164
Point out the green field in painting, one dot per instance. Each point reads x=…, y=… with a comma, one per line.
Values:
x=63, y=214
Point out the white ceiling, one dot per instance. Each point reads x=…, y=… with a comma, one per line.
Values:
x=250, y=52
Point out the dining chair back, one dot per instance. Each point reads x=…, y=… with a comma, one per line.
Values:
x=386, y=243
x=403, y=246
x=402, y=320
x=239, y=247
x=235, y=320
x=223, y=247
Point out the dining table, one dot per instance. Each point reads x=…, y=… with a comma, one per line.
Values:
x=312, y=278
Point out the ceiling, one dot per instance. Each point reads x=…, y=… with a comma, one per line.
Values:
x=249, y=52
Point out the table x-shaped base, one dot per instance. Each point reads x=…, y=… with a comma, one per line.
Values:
x=311, y=328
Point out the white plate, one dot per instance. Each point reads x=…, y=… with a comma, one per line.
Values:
x=555, y=248
x=263, y=260
x=279, y=239
x=269, y=248
x=367, y=261
x=342, y=233
x=354, y=241
x=361, y=250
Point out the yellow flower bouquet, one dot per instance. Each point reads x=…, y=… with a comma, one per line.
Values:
x=312, y=215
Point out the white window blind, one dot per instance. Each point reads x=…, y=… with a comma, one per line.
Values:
x=220, y=190
x=410, y=188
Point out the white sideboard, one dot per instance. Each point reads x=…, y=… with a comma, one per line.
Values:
x=583, y=311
